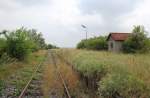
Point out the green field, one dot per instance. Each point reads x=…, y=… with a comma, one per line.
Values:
x=112, y=75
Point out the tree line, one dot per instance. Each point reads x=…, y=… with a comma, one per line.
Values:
x=21, y=42
x=96, y=43
x=137, y=42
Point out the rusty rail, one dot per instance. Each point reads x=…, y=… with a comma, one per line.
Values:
x=27, y=85
x=34, y=73
x=60, y=75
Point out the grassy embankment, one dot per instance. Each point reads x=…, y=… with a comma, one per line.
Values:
x=112, y=74
x=17, y=74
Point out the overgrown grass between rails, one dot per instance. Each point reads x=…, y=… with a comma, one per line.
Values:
x=51, y=81
x=122, y=75
x=1, y=86
x=69, y=75
x=17, y=74
x=11, y=68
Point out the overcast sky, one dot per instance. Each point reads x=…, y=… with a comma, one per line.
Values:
x=60, y=20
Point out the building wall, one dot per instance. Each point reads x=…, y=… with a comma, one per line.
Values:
x=115, y=46
x=110, y=41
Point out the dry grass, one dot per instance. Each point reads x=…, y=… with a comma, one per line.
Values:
x=7, y=70
x=69, y=75
x=89, y=62
x=52, y=81
x=40, y=52
x=137, y=64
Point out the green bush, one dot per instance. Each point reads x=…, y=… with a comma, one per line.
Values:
x=137, y=41
x=2, y=46
x=97, y=43
x=81, y=45
x=17, y=49
x=50, y=46
x=37, y=39
x=90, y=69
x=121, y=84
x=18, y=44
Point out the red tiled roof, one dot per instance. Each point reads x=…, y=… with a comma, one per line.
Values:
x=118, y=36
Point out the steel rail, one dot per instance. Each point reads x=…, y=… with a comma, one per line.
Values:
x=34, y=73
x=60, y=75
x=27, y=85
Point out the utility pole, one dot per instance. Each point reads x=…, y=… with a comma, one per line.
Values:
x=86, y=32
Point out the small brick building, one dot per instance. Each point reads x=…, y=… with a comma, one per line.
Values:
x=115, y=41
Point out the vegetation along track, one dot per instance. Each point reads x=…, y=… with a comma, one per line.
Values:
x=59, y=75
x=33, y=87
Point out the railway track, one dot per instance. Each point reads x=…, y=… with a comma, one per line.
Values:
x=33, y=89
x=59, y=74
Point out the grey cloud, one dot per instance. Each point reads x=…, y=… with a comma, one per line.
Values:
x=107, y=8
x=111, y=12
x=32, y=2
x=61, y=23
x=7, y=5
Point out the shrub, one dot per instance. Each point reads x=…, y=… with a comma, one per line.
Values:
x=97, y=43
x=2, y=46
x=50, y=46
x=137, y=42
x=90, y=69
x=81, y=45
x=37, y=38
x=18, y=44
x=121, y=84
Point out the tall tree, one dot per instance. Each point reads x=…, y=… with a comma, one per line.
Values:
x=19, y=44
x=37, y=38
x=138, y=41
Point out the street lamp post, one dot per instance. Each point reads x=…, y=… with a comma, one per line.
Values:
x=86, y=32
